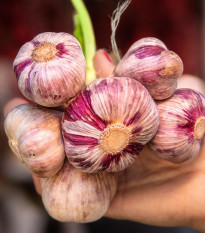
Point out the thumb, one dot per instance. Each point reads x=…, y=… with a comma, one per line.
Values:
x=103, y=64
x=13, y=103
x=191, y=81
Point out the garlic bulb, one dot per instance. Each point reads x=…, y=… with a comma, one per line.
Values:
x=74, y=196
x=35, y=138
x=150, y=62
x=106, y=126
x=182, y=126
x=50, y=69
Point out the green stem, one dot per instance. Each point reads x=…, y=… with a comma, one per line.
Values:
x=85, y=34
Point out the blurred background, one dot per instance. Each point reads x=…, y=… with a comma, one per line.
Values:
x=178, y=23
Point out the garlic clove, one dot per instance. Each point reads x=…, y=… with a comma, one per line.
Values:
x=35, y=138
x=182, y=126
x=50, y=69
x=74, y=196
x=107, y=125
x=150, y=62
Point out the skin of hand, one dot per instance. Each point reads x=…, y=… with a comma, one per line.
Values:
x=154, y=191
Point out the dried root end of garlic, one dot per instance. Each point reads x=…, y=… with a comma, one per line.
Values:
x=151, y=63
x=108, y=138
x=74, y=196
x=44, y=52
x=182, y=126
x=34, y=136
x=50, y=69
x=107, y=125
x=199, y=128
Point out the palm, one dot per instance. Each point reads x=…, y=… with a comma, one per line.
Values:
x=158, y=192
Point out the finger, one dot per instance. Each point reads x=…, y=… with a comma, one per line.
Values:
x=191, y=81
x=37, y=184
x=13, y=103
x=103, y=64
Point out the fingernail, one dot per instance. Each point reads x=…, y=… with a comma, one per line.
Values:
x=108, y=57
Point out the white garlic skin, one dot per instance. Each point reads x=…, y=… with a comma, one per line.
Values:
x=150, y=62
x=35, y=138
x=182, y=126
x=74, y=196
x=107, y=125
x=50, y=69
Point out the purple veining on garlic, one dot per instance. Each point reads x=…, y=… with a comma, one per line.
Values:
x=21, y=66
x=150, y=62
x=191, y=114
x=82, y=108
x=83, y=162
x=134, y=119
x=150, y=77
x=61, y=50
x=78, y=140
x=52, y=67
x=134, y=148
x=36, y=43
x=147, y=51
x=109, y=159
x=28, y=83
x=177, y=139
x=106, y=126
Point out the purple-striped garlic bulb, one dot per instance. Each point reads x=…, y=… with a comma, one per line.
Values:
x=150, y=62
x=75, y=196
x=35, y=138
x=50, y=69
x=106, y=126
x=182, y=126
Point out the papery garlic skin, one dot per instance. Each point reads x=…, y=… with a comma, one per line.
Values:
x=182, y=126
x=150, y=62
x=74, y=196
x=107, y=125
x=50, y=69
x=35, y=138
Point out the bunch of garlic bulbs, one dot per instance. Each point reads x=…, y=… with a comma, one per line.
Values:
x=79, y=152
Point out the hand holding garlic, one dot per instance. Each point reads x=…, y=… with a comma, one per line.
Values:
x=105, y=127
x=157, y=192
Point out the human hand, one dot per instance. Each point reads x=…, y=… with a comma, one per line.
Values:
x=154, y=191
x=157, y=192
